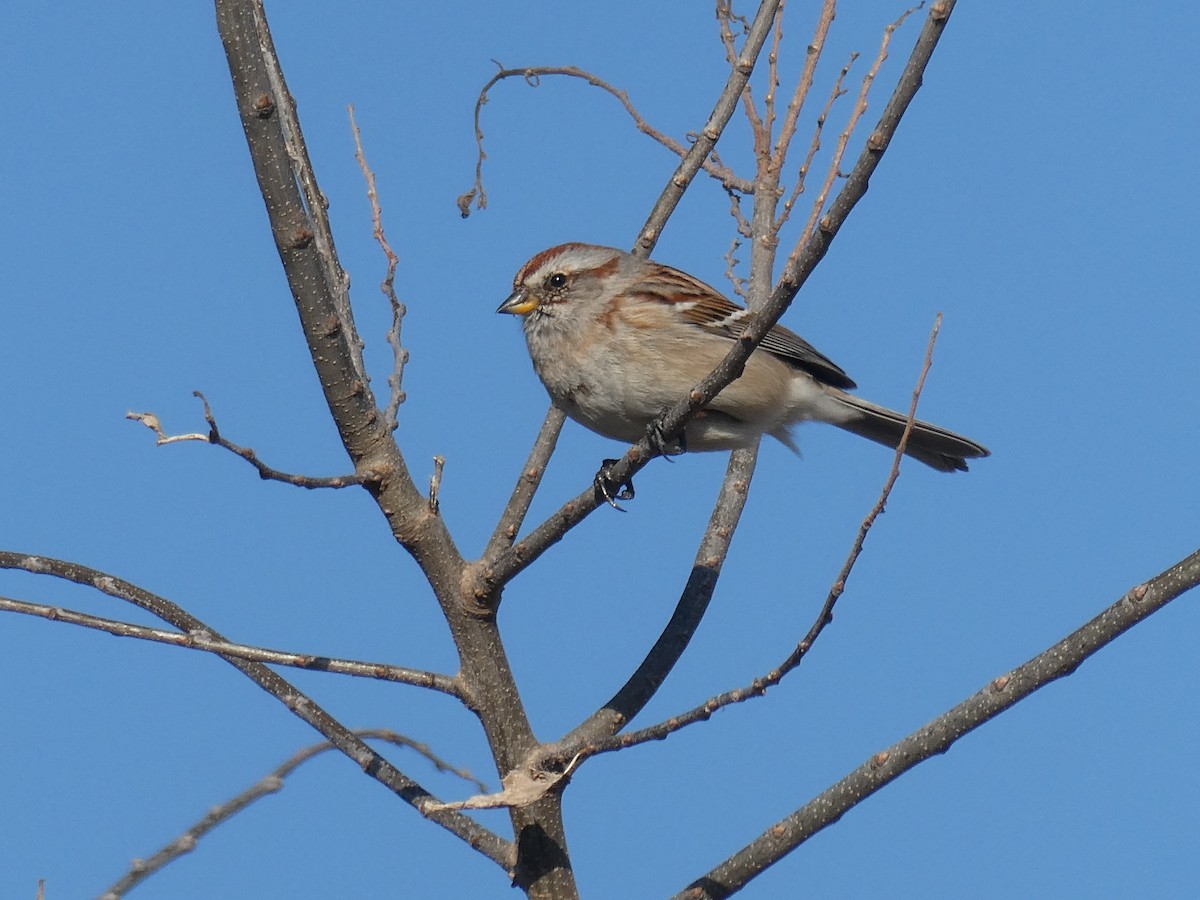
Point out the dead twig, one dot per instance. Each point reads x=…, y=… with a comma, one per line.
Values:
x=387, y=286
x=141, y=869
x=532, y=76
x=265, y=472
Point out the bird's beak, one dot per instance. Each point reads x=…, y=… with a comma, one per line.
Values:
x=519, y=303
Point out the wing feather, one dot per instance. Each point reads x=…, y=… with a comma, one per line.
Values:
x=700, y=305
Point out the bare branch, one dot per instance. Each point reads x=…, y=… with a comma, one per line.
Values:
x=204, y=641
x=517, y=507
x=265, y=472
x=476, y=836
x=725, y=18
x=814, y=145
x=803, y=85
x=801, y=266
x=387, y=286
x=693, y=602
x=296, y=209
x=938, y=735
x=272, y=783
x=860, y=107
x=532, y=76
x=731, y=261
x=706, y=138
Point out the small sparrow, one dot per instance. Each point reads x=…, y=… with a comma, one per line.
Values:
x=616, y=339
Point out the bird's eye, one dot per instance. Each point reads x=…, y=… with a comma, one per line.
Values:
x=556, y=281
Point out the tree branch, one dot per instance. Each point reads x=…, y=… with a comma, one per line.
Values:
x=204, y=641
x=540, y=864
x=937, y=736
x=486, y=842
x=689, y=611
x=272, y=783
x=706, y=138
x=517, y=507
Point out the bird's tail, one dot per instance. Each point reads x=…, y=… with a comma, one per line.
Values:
x=936, y=447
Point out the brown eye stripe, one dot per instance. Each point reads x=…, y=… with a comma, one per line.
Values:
x=538, y=261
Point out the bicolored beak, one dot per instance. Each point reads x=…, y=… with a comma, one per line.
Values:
x=520, y=303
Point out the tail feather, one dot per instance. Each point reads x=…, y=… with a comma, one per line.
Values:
x=936, y=447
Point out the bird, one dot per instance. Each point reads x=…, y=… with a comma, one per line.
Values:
x=616, y=339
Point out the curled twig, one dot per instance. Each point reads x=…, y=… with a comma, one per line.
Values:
x=532, y=76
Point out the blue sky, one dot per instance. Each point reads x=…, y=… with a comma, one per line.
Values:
x=1041, y=194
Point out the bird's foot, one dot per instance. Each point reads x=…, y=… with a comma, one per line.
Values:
x=665, y=444
x=609, y=488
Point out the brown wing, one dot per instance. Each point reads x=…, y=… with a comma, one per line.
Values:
x=702, y=306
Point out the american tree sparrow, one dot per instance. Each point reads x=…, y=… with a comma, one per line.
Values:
x=616, y=339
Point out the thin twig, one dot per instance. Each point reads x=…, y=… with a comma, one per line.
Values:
x=816, y=47
x=731, y=261
x=527, y=484
x=814, y=145
x=724, y=18
x=204, y=641
x=265, y=472
x=860, y=107
x=472, y=833
x=387, y=286
x=532, y=75
x=270, y=784
x=706, y=138
x=938, y=735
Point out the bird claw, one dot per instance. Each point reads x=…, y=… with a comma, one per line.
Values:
x=609, y=489
x=663, y=444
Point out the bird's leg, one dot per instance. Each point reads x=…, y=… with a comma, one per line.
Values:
x=608, y=488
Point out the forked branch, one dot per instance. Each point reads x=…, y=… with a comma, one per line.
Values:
x=485, y=841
